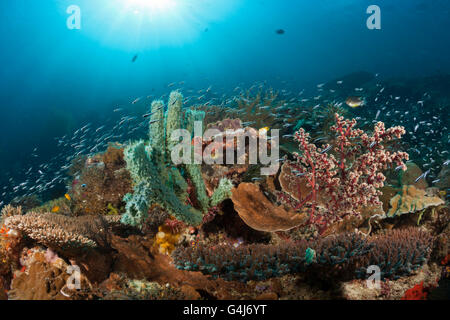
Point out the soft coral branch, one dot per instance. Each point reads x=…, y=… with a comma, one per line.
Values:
x=350, y=180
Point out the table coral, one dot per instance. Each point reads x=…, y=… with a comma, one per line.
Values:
x=411, y=199
x=61, y=232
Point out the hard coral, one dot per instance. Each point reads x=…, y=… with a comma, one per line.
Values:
x=61, y=232
x=410, y=200
x=397, y=253
x=259, y=262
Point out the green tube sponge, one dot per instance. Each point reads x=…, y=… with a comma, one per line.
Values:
x=192, y=116
x=178, y=183
x=137, y=156
x=222, y=192
x=137, y=205
x=150, y=188
x=173, y=119
x=156, y=127
x=194, y=172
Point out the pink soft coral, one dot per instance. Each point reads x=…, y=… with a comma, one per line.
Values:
x=348, y=179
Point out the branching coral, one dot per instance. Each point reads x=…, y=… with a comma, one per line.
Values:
x=9, y=210
x=397, y=253
x=61, y=232
x=259, y=262
x=349, y=178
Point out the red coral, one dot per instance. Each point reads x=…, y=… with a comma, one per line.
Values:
x=345, y=175
x=446, y=260
x=418, y=292
x=175, y=226
x=210, y=215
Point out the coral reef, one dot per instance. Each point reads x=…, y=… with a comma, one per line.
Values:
x=140, y=226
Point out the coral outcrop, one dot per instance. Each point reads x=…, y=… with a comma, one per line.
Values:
x=411, y=199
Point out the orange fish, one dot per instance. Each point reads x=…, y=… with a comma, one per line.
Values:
x=67, y=196
x=55, y=209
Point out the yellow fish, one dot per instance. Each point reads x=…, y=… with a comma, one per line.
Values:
x=55, y=209
x=67, y=196
x=263, y=130
x=355, y=102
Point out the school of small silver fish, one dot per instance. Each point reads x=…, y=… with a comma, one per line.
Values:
x=427, y=139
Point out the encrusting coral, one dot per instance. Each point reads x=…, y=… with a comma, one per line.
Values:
x=102, y=183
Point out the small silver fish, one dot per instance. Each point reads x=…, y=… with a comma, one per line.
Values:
x=154, y=121
x=423, y=175
x=326, y=149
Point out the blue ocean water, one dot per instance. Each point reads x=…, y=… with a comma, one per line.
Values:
x=54, y=80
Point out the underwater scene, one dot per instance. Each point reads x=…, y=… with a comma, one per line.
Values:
x=225, y=150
